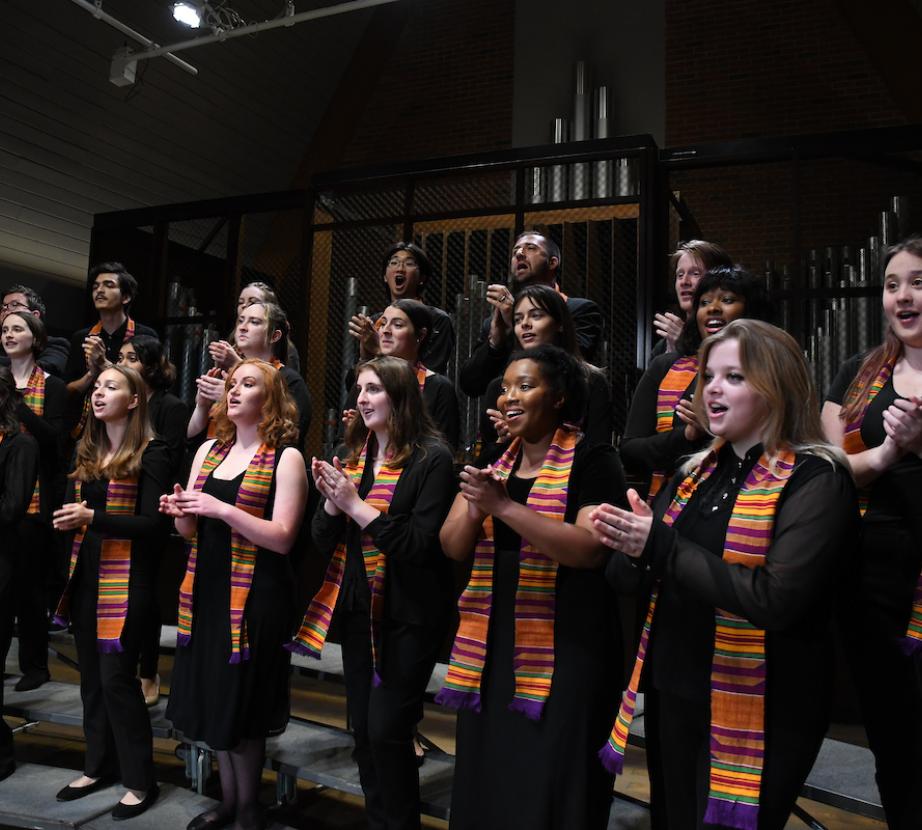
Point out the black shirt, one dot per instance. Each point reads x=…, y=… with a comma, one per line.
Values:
x=18, y=472
x=76, y=360
x=790, y=596
x=643, y=449
x=894, y=495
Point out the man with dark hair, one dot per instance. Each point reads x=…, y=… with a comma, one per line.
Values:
x=535, y=261
x=407, y=270
x=21, y=299
x=113, y=290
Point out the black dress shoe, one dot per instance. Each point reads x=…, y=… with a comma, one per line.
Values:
x=70, y=793
x=124, y=811
x=210, y=820
x=31, y=680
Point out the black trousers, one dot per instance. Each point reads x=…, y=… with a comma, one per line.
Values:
x=150, y=635
x=33, y=557
x=115, y=720
x=683, y=729
x=383, y=718
x=7, y=568
x=889, y=683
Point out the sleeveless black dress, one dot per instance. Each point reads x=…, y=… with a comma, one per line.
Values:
x=211, y=699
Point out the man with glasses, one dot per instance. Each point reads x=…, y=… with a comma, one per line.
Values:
x=20, y=299
x=535, y=261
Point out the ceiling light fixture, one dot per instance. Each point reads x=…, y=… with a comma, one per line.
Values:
x=187, y=13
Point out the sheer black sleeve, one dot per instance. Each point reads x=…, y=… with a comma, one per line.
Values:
x=152, y=483
x=815, y=528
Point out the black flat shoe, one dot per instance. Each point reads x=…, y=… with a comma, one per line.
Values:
x=70, y=793
x=120, y=811
x=210, y=820
x=32, y=680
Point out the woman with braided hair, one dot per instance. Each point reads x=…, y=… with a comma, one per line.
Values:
x=241, y=510
x=539, y=643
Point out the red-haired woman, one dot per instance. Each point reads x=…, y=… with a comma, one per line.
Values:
x=242, y=510
x=874, y=411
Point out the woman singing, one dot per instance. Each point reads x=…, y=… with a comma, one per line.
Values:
x=538, y=648
x=41, y=413
x=242, y=510
x=743, y=548
x=388, y=579
x=874, y=411
x=662, y=426
x=111, y=507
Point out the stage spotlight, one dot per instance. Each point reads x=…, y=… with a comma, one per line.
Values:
x=187, y=13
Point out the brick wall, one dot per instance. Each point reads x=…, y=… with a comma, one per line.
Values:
x=446, y=88
x=749, y=69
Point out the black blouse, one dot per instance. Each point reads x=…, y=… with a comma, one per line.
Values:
x=19, y=464
x=790, y=596
x=643, y=449
x=141, y=527
x=418, y=586
x=76, y=361
x=894, y=495
x=48, y=430
x=169, y=417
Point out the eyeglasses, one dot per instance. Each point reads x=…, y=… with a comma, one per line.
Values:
x=13, y=305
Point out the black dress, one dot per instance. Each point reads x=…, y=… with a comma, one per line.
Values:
x=875, y=613
x=215, y=701
x=512, y=772
x=790, y=597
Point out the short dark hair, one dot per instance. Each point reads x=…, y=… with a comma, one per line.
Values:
x=564, y=374
x=127, y=284
x=552, y=248
x=33, y=300
x=156, y=369
x=422, y=261
x=37, y=326
x=741, y=282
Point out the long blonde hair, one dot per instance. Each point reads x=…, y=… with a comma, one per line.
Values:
x=775, y=368
x=93, y=446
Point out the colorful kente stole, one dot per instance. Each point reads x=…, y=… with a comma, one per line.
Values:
x=533, y=654
x=738, y=670
x=421, y=376
x=679, y=377
x=315, y=626
x=911, y=643
x=251, y=498
x=114, y=568
x=77, y=431
x=33, y=396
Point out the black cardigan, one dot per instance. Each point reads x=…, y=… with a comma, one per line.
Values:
x=48, y=430
x=19, y=464
x=418, y=586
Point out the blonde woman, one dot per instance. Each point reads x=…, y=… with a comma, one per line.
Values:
x=743, y=549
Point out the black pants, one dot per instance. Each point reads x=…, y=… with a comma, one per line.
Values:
x=6, y=635
x=32, y=562
x=888, y=682
x=383, y=718
x=683, y=730
x=115, y=719
x=150, y=635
